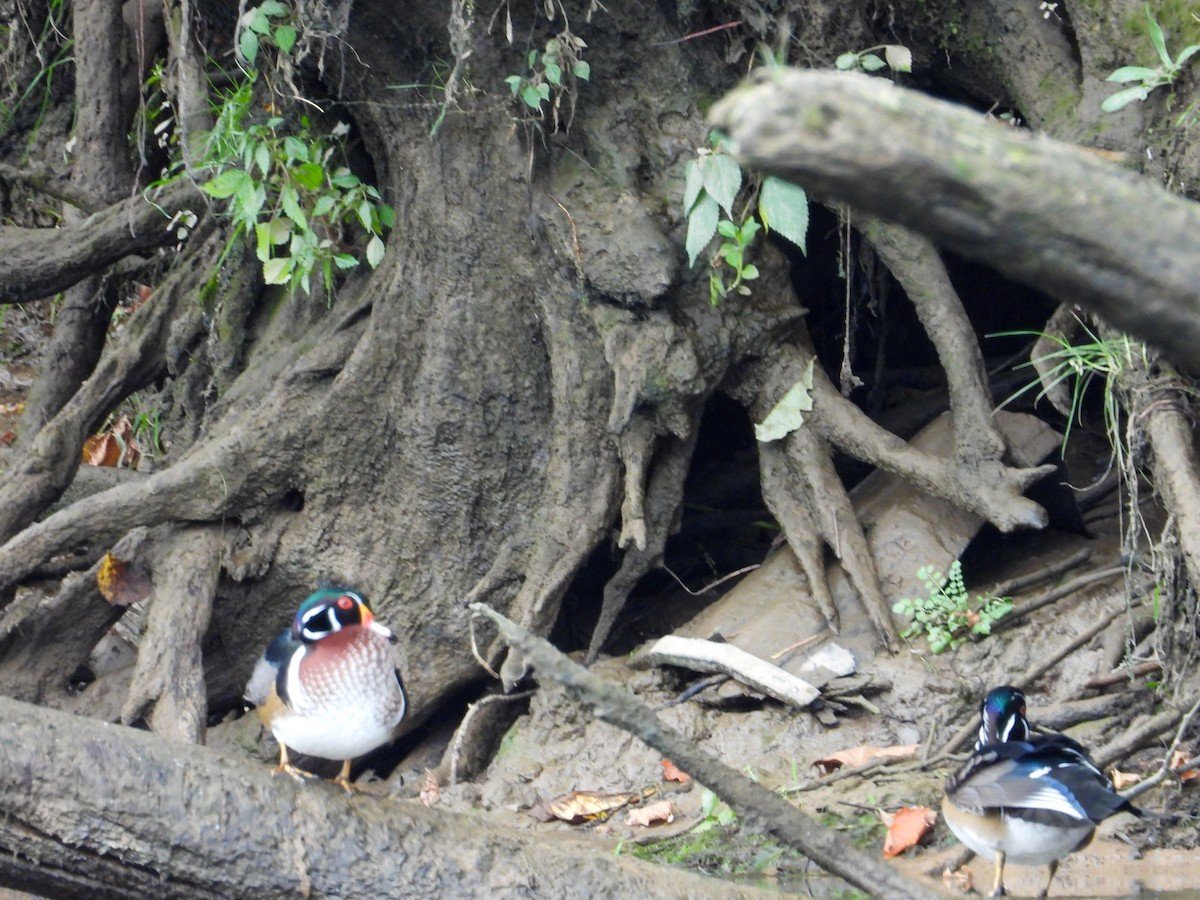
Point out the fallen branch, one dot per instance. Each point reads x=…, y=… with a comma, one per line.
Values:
x=759, y=806
x=95, y=810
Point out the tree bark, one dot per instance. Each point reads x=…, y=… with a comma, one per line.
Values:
x=104, y=811
x=1048, y=214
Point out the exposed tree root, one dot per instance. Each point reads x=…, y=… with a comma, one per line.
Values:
x=133, y=360
x=46, y=642
x=1070, y=223
x=36, y=263
x=168, y=683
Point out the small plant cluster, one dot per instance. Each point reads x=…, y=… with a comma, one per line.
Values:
x=552, y=74
x=713, y=182
x=948, y=616
x=1077, y=363
x=1146, y=78
x=284, y=184
x=257, y=25
x=896, y=57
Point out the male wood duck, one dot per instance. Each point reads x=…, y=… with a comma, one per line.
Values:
x=328, y=686
x=1025, y=799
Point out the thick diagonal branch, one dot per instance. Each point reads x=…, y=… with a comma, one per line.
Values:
x=1045, y=213
x=763, y=808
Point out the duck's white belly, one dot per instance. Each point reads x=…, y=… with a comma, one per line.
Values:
x=335, y=734
x=1025, y=843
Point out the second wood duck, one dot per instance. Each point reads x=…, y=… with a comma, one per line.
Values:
x=1025, y=799
x=328, y=686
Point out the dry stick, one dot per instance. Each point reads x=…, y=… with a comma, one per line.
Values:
x=1121, y=675
x=756, y=804
x=1165, y=769
x=1056, y=594
x=1136, y=738
x=1004, y=588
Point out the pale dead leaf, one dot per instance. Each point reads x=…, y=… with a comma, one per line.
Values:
x=1123, y=780
x=660, y=813
x=958, y=881
x=580, y=806
x=857, y=756
x=908, y=826
x=432, y=791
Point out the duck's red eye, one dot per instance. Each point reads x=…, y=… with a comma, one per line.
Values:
x=345, y=602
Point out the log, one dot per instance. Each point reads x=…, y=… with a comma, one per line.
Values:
x=89, y=809
x=1049, y=214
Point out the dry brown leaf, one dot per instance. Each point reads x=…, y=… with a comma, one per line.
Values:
x=959, y=880
x=115, y=447
x=908, y=826
x=1181, y=759
x=660, y=813
x=672, y=773
x=7, y=438
x=580, y=806
x=857, y=756
x=122, y=583
x=432, y=791
x=1123, y=780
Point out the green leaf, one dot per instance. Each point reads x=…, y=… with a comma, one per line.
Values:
x=532, y=96
x=514, y=83
x=722, y=179
x=1186, y=54
x=273, y=8
x=788, y=414
x=294, y=149
x=582, y=70
x=323, y=206
x=693, y=184
x=262, y=241
x=226, y=184
x=249, y=200
x=1121, y=99
x=728, y=229
x=374, y=252
x=749, y=272
x=309, y=176
x=1132, y=73
x=846, y=61
x=258, y=22
x=364, y=214
x=387, y=215
x=1157, y=38
x=344, y=261
x=344, y=178
x=553, y=73
x=872, y=63
x=898, y=57
x=278, y=270
x=290, y=201
x=783, y=207
x=262, y=159
x=285, y=38
x=702, y=225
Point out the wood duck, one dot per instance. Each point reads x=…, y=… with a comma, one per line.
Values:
x=1025, y=799
x=328, y=686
